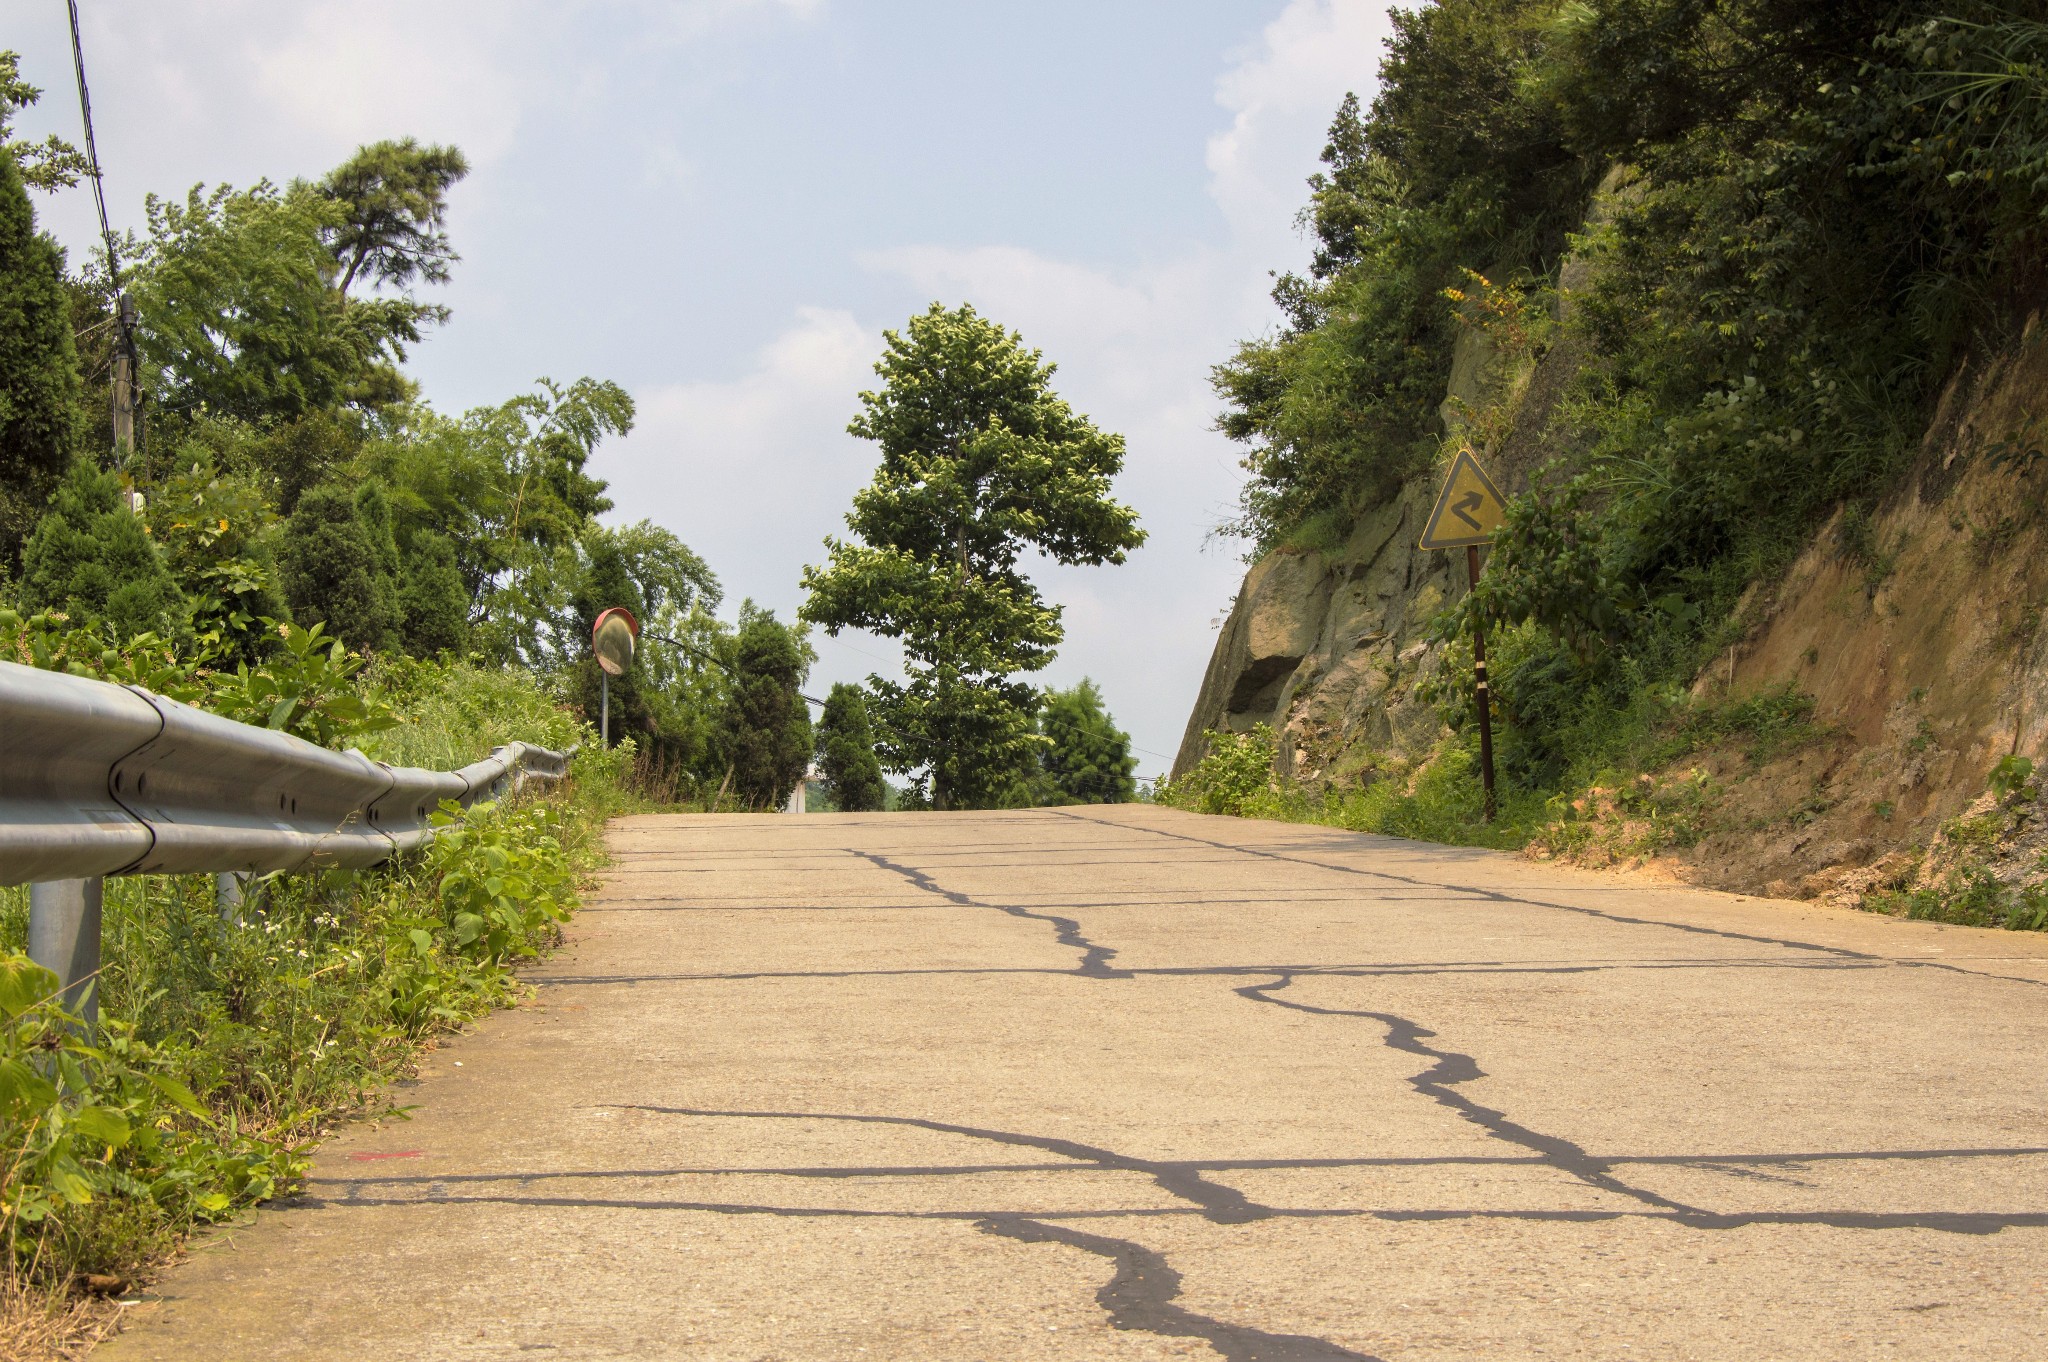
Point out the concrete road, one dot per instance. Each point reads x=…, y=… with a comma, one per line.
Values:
x=1134, y=1084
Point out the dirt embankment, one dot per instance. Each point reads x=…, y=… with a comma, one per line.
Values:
x=1916, y=628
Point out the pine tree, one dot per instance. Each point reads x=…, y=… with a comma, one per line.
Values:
x=846, y=752
x=39, y=383
x=90, y=557
x=331, y=568
x=767, y=737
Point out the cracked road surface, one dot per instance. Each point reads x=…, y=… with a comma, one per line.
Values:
x=1128, y=1083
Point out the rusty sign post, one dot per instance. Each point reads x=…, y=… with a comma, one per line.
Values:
x=1466, y=515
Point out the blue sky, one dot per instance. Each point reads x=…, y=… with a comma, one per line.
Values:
x=722, y=203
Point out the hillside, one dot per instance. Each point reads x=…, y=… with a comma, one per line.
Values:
x=1739, y=303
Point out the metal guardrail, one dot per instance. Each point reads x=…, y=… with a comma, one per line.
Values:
x=98, y=779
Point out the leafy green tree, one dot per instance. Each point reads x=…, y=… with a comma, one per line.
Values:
x=981, y=462
x=39, y=383
x=505, y=486
x=240, y=315
x=331, y=565
x=846, y=752
x=1087, y=758
x=669, y=700
x=766, y=736
x=393, y=197
x=50, y=164
x=91, y=557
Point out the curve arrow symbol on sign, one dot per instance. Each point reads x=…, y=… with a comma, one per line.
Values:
x=1467, y=504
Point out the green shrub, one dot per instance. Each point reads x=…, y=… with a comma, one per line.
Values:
x=1235, y=776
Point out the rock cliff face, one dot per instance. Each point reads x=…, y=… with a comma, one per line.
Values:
x=1327, y=646
x=1917, y=629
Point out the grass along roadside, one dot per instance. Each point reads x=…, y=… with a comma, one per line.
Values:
x=227, y=1048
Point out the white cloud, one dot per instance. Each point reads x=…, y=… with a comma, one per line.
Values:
x=754, y=471
x=1281, y=98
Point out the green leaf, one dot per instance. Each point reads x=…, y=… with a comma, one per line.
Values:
x=180, y=1095
x=101, y=1125
x=23, y=1091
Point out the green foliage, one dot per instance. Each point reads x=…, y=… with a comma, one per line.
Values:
x=2011, y=775
x=1968, y=897
x=765, y=733
x=450, y=714
x=216, y=534
x=225, y=1048
x=981, y=462
x=1086, y=758
x=47, y=165
x=91, y=556
x=393, y=199
x=311, y=687
x=433, y=609
x=1811, y=217
x=846, y=752
x=240, y=315
x=88, y=1123
x=39, y=382
x=335, y=566
x=1235, y=777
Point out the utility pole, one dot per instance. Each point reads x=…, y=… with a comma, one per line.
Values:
x=124, y=397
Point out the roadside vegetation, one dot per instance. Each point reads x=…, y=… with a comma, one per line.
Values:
x=294, y=537
x=1741, y=247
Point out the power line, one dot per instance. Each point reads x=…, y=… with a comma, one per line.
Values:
x=92, y=155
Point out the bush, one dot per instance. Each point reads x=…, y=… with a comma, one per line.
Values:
x=90, y=556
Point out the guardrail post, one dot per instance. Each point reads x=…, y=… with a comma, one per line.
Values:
x=64, y=936
x=231, y=895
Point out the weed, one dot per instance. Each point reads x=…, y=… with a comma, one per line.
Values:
x=2011, y=776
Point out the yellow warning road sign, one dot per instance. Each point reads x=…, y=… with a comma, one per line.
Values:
x=1469, y=511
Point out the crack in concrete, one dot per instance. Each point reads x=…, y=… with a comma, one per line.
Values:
x=1220, y=1204
x=1500, y=896
x=1094, y=959
x=1140, y=1297
x=1439, y=1083
x=1450, y=1068
x=1389, y=971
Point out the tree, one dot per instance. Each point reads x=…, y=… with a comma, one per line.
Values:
x=393, y=197
x=433, y=609
x=331, y=567
x=1087, y=758
x=505, y=487
x=91, y=558
x=50, y=164
x=240, y=315
x=766, y=738
x=981, y=462
x=39, y=383
x=846, y=752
